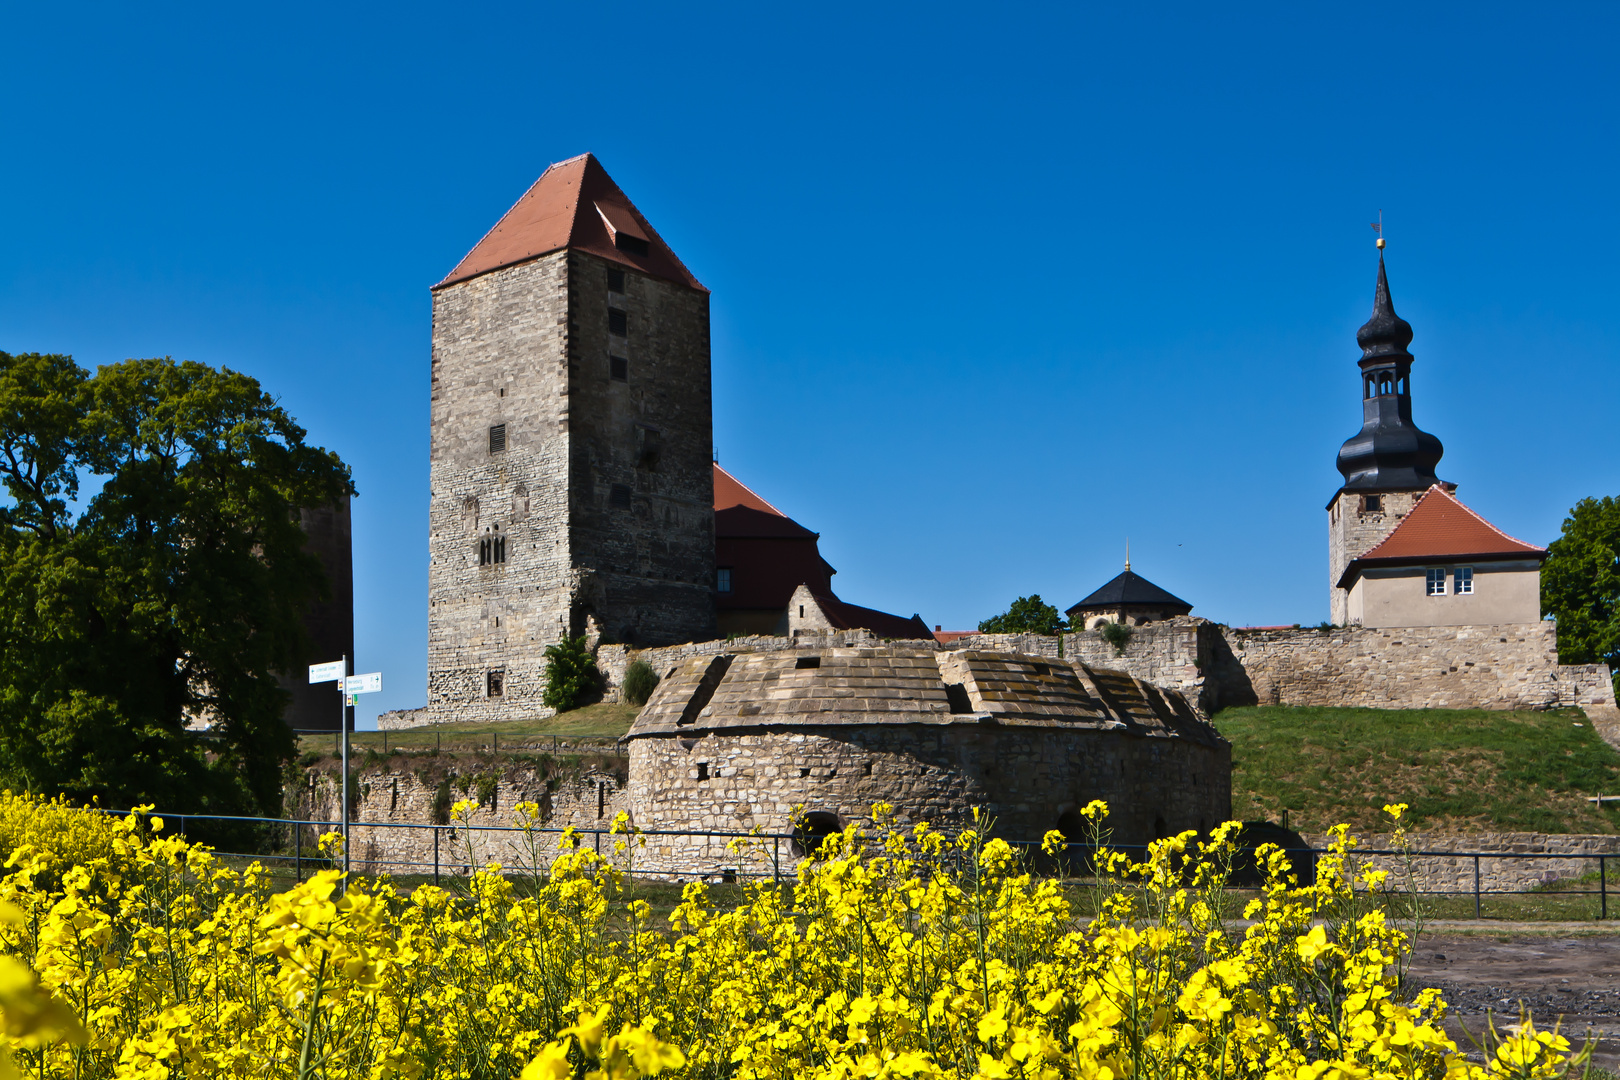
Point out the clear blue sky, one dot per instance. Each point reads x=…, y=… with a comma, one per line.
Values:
x=994, y=288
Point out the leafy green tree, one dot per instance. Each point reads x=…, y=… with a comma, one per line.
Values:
x=571, y=674
x=639, y=682
x=173, y=592
x=1580, y=584
x=1027, y=615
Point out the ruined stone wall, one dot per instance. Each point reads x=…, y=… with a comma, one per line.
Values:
x=403, y=792
x=500, y=357
x=1446, y=873
x=1027, y=779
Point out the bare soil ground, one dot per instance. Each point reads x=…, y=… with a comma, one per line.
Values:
x=1488, y=975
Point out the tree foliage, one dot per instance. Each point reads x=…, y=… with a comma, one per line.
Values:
x=1580, y=584
x=173, y=591
x=571, y=674
x=639, y=682
x=1027, y=615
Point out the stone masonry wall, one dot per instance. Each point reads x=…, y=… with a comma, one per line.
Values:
x=403, y=795
x=1027, y=779
x=1444, y=873
x=1354, y=530
x=499, y=357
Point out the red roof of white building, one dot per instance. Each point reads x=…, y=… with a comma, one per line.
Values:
x=1439, y=527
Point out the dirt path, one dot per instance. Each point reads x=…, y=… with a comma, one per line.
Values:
x=1576, y=978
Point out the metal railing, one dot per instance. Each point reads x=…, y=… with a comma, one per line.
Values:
x=413, y=740
x=794, y=845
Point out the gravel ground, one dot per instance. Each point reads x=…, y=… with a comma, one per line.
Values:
x=1575, y=978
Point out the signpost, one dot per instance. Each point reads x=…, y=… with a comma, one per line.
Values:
x=350, y=687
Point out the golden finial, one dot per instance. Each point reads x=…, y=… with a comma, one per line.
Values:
x=1378, y=227
x=1127, y=553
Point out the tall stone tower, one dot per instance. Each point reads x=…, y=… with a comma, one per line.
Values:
x=1390, y=462
x=571, y=464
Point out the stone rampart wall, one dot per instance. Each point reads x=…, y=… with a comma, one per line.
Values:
x=1454, y=873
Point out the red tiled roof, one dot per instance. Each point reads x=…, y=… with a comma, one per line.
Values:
x=1440, y=527
x=576, y=205
x=854, y=617
x=951, y=637
x=730, y=491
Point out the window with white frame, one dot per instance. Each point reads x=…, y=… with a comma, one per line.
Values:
x=1462, y=580
x=1437, y=580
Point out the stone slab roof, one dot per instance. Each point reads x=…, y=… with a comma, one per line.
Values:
x=898, y=685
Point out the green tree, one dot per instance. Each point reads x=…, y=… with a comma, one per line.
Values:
x=171, y=593
x=571, y=674
x=1027, y=615
x=1580, y=584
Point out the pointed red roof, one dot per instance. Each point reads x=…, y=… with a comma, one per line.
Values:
x=1441, y=527
x=575, y=205
x=730, y=491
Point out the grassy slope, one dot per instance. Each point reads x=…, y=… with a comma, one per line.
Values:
x=1463, y=769
x=607, y=720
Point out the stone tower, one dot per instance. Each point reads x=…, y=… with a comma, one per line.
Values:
x=1389, y=464
x=570, y=473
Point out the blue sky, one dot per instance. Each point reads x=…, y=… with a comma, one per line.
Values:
x=994, y=288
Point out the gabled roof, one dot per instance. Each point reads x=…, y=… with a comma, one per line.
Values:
x=744, y=521
x=1130, y=588
x=1440, y=527
x=845, y=616
x=575, y=205
x=730, y=491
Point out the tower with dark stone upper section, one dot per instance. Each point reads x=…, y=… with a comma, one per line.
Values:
x=1389, y=463
x=570, y=472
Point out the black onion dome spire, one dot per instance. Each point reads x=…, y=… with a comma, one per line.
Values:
x=1390, y=453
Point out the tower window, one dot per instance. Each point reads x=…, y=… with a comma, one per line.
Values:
x=1436, y=577
x=619, y=496
x=1372, y=504
x=495, y=683
x=619, y=368
x=497, y=438
x=1462, y=580
x=618, y=322
x=492, y=551
x=615, y=280
x=722, y=579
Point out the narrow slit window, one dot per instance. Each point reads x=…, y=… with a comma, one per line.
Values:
x=618, y=322
x=1436, y=576
x=619, y=496
x=495, y=683
x=619, y=368
x=497, y=438
x=1462, y=581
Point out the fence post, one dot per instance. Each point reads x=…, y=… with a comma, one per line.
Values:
x=436, y=746
x=435, y=856
x=1603, y=886
x=1476, y=886
x=599, y=841
x=776, y=860
x=496, y=737
x=298, y=850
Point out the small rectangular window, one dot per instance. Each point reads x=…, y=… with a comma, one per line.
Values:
x=497, y=438
x=722, y=579
x=1437, y=580
x=703, y=771
x=619, y=496
x=807, y=662
x=635, y=245
x=1462, y=581
x=615, y=280
x=1372, y=503
x=619, y=368
x=495, y=683
x=618, y=322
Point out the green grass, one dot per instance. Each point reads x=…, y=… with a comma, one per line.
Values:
x=1458, y=769
x=607, y=720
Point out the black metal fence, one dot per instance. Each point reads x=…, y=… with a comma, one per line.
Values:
x=295, y=852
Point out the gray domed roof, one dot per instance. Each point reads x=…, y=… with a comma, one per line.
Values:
x=1131, y=589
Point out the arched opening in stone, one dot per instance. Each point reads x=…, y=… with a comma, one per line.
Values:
x=812, y=829
x=1160, y=829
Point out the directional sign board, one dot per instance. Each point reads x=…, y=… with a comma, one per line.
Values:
x=319, y=673
x=370, y=683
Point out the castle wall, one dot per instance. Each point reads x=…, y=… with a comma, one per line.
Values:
x=1503, y=592
x=1027, y=779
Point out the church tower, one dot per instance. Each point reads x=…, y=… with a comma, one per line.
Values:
x=1389, y=464
x=571, y=445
